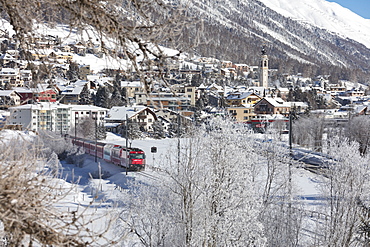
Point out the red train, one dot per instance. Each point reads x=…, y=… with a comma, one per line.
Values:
x=130, y=158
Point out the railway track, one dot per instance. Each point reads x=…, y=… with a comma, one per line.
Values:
x=147, y=175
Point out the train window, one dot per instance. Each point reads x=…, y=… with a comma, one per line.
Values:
x=137, y=156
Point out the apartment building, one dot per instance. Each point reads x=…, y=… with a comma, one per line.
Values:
x=54, y=116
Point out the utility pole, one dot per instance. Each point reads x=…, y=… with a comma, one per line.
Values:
x=76, y=125
x=126, y=158
x=178, y=139
x=290, y=172
x=96, y=137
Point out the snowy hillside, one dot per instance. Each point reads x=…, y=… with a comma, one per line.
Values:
x=327, y=15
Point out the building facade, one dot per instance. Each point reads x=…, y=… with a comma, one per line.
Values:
x=55, y=117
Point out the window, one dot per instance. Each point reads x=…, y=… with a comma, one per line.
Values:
x=189, y=90
x=246, y=111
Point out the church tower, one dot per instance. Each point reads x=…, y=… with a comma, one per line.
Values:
x=264, y=69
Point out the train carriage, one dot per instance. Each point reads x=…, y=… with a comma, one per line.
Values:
x=130, y=158
x=100, y=149
x=108, y=152
x=116, y=155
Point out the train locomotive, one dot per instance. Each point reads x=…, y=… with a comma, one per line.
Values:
x=130, y=158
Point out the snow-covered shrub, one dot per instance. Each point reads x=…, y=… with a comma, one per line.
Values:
x=29, y=194
x=52, y=142
x=76, y=155
x=54, y=165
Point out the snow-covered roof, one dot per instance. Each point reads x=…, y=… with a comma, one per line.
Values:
x=9, y=71
x=131, y=84
x=87, y=108
x=6, y=92
x=41, y=106
x=298, y=104
x=277, y=102
x=7, y=56
x=241, y=95
x=75, y=88
x=119, y=113
x=22, y=90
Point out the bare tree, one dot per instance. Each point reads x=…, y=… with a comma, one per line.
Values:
x=347, y=191
x=357, y=130
x=29, y=193
x=309, y=131
x=205, y=192
x=282, y=220
x=131, y=29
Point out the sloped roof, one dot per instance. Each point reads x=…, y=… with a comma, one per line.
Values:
x=119, y=113
x=6, y=92
x=7, y=56
x=276, y=102
x=241, y=95
x=131, y=84
x=87, y=108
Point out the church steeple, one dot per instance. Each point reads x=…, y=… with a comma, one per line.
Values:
x=264, y=68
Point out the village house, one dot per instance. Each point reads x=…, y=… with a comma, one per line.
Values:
x=242, y=98
x=192, y=93
x=132, y=87
x=9, y=98
x=6, y=59
x=118, y=115
x=10, y=77
x=241, y=114
x=71, y=94
x=42, y=93
x=272, y=106
x=169, y=101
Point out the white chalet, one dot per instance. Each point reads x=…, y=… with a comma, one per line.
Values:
x=142, y=115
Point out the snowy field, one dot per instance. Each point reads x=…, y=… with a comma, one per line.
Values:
x=115, y=181
x=98, y=197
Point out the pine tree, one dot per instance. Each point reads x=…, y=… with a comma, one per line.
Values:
x=101, y=132
x=85, y=97
x=102, y=97
x=158, y=130
x=73, y=72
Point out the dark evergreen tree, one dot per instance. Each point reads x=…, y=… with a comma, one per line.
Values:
x=116, y=98
x=158, y=130
x=101, y=132
x=102, y=97
x=73, y=72
x=134, y=131
x=85, y=97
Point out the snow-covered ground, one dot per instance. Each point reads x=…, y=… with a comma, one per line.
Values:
x=98, y=197
x=116, y=180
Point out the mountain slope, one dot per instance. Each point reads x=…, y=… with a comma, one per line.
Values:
x=236, y=30
x=326, y=15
